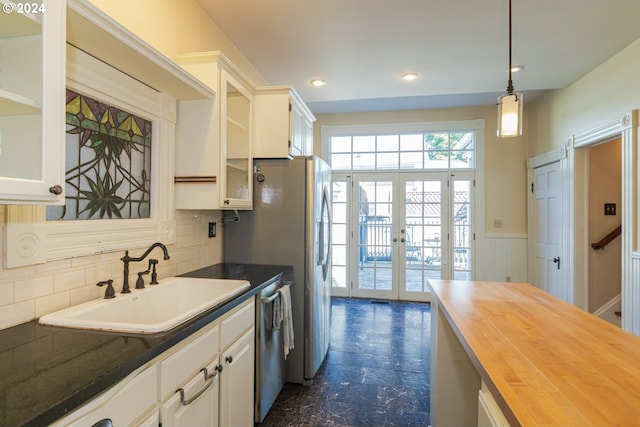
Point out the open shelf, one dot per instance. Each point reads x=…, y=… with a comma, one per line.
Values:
x=12, y=104
x=236, y=166
x=15, y=24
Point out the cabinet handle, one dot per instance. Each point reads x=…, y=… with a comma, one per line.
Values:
x=229, y=359
x=207, y=375
x=211, y=378
x=56, y=189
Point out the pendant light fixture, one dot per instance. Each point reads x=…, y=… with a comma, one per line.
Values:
x=510, y=104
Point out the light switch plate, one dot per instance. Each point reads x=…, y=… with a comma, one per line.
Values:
x=609, y=208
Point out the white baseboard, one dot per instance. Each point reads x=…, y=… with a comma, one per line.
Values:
x=607, y=311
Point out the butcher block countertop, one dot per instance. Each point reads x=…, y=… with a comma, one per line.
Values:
x=546, y=362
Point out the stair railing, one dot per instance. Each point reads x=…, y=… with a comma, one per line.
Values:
x=607, y=239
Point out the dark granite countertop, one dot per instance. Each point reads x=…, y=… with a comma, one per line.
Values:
x=47, y=372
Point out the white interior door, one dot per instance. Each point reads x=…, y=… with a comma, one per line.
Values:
x=547, y=221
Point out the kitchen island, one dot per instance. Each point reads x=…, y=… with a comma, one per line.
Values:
x=512, y=354
x=46, y=372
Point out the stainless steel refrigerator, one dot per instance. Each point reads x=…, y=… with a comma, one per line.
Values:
x=290, y=225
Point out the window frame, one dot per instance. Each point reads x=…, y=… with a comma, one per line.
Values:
x=476, y=126
x=43, y=240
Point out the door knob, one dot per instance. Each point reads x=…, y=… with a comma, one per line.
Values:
x=56, y=189
x=557, y=261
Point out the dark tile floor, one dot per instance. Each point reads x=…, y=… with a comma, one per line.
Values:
x=376, y=372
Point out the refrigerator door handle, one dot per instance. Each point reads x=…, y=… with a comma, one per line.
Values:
x=320, y=259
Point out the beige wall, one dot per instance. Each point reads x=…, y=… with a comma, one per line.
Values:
x=605, y=186
x=505, y=171
x=601, y=96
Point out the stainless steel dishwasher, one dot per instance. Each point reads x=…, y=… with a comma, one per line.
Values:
x=270, y=366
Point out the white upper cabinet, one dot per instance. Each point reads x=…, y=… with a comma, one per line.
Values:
x=214, y=138
x=283, y=124
x=32, y=65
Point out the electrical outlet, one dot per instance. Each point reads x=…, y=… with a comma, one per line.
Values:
x=507, y=279
x=497, y=223
x=212, y=229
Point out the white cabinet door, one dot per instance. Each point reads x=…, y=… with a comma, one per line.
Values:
x=32, y=76
x=307, y=135
x=297, y=134
x=214, y=138
x=489, y=413
x=236, y=170
x=195, y=404
x=282, y=123
x=237, y=383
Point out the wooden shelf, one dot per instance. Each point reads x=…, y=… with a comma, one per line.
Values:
x=15, y=24
x=236, y=124
x=237, y=167
x=12, y=104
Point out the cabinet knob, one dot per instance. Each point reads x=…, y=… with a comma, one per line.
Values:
x=229, y=359
x=56, y=189
x=219, y=368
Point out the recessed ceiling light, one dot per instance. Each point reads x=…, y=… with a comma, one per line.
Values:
x=318, y=82
x=409, y=76
x=517, y=68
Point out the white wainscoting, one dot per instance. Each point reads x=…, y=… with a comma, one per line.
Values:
x=631, y=297
x=502, y=257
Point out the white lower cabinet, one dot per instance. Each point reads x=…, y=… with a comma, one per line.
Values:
x=236, y=382
x=206, y=380
x=489, y=413
x=195, y=404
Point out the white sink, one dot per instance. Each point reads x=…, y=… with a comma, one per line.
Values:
x=157, y=308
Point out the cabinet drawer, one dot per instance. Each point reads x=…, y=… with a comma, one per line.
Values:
x=123, y=404
x=184, y=364
x=201, y=402
x=237, y=323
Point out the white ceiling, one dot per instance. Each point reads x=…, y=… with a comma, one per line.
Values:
x=459, y=47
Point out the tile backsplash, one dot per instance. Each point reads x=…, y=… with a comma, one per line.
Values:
x=27, y=293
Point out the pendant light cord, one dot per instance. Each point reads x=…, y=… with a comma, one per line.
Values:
x=510, y=84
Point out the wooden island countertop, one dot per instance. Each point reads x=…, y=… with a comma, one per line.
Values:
x=545, y=362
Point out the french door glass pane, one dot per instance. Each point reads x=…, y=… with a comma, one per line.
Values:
x=462, y=237
x=375, y=235
x=339, y=236
x=423, y=220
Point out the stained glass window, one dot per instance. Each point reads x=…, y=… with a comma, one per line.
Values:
x=108, y=162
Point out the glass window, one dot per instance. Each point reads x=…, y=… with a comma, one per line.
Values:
x=410, y=151
x=108, y=162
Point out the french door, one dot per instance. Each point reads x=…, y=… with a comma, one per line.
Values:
x=394, y=231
